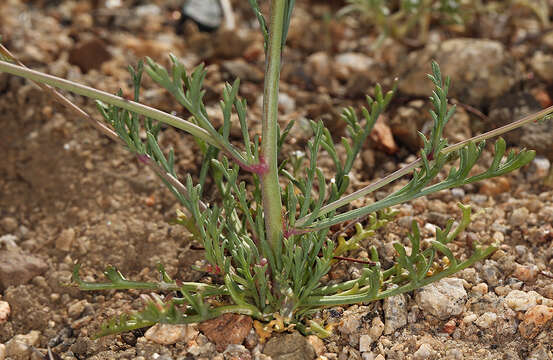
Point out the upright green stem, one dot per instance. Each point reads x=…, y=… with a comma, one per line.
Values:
x=269, y=180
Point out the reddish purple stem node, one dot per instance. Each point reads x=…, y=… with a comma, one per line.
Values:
x=287, y=232
x=143, y=158
x=215, y=270
x=261, y=168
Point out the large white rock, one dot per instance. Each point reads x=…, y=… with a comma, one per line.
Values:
x=443, y=299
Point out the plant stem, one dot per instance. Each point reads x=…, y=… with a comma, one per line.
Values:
x=269, y=180
x=110, y=99
x=413, y=165
x=333, y=300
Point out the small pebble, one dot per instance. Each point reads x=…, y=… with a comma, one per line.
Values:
x=424, y=351
x=455, y=354
x=9, y=241
x=486, y=320
x=227, y=329
x=458, y=193
x=354, y=62
x=166, y=334
x=289, y=346
x=450, y=326
x=17, y=268
x=498, y=237
x=65, y=239
x=526, y=273
x=534, y=320
x=521, y=250
x=79, y=323
x=495, y=187
x=4, y=311
x=237, y=352
x=365, y=342
x=40, y=281
x=252, y=339
x=520, y=300
x=519, y=216
x=539, y=168
x=502, y=290
x=20, y=345
x=470, y=318
x=286, y=103
x=367, y=356
x=9, y=224
x=377, y=327
x=2, y=351
x=317, y=344
x=478, y=198
x=395, y=313
x=491, y=273
x=76, y=309
x=480, y=289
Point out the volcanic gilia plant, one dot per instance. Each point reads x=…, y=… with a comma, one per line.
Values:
x=268, y=238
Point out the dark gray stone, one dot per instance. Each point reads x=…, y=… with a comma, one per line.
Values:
x=206, y=13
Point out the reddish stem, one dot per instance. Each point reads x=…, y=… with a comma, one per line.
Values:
x=260, y=168
x=367, y=262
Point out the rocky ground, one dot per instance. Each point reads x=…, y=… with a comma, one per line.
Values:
x=68, y=194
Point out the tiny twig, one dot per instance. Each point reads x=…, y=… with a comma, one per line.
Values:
x=471, y=109
x=367, y=262
x=546, y=274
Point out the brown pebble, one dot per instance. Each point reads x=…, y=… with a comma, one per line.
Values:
x=383, y=138
x=150, y=201
x=495, y=187
x=5, y=311
x=77, y=324
x=450, y=326
x=526, y=273
x=227, y=329
x=65, y=239
x=89, y=55
x=9, y=224
x=534, y=320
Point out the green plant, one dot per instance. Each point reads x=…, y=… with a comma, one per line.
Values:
x=399, y=19
x=409, y=20
x=270, y=245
